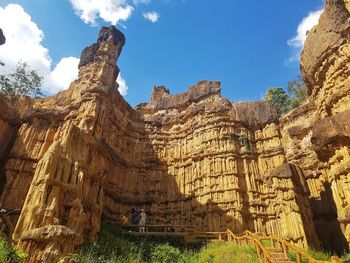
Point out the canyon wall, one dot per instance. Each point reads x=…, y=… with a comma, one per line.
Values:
x=228, y=164
x=316, y=135
x=70, y=160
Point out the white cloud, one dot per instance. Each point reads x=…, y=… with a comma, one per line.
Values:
x=146, y=2
x=151, y=16
x=123, y=88
x=111, y=11
x=24, y=43
x=23, y=40
x=306, y=24
x=64, y=73
x=297, y=42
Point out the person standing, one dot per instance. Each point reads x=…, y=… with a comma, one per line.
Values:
x=142, y=221
x=124, y=220
x=134, y=217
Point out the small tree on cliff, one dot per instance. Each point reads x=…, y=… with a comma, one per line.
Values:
x=284, y=102
x=22, y=81
x=297, y=92
x=279, y=99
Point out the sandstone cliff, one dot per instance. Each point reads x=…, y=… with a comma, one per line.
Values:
x=69, y=160
x=316, y=135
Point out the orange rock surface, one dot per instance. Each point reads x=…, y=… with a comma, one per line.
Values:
x=70, y=160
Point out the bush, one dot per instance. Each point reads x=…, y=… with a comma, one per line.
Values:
x=319, y=255
x=226, y=252
x=266, y=242
x=8, y=253
x=293, y=257
x=166, y=254
x=346, y=256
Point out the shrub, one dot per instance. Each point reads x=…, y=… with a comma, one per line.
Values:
x=8, y=253
x=166, y=254
x=346, y=256
x=320, y=255
x=226, y=252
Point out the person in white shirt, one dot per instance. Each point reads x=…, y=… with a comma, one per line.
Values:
x=142, y=221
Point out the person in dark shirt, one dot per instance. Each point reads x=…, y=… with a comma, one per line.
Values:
x=134, y=217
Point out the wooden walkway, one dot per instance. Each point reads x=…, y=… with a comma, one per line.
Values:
x=276, y=252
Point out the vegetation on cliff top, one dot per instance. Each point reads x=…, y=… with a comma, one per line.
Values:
x=285, y=101
x=21, y=81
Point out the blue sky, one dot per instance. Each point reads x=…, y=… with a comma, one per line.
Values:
x=242, y=43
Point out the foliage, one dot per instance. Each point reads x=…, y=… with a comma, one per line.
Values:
x=22, y=81
x=319, y=255
x=8, y=253
x=112, y=247
x=226, y=252
x=346, y=256
x=166, y=253
x=297, y=93
x=115, y=247
x=266, y=242
x=283, y=101
x=279, y=99
x=293, y=257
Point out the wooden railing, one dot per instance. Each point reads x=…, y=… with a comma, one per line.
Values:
x=246, y=237
x=285, y=246
x=249, y=238
x=159, y=228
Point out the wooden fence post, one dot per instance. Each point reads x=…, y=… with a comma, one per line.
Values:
x=284, y=248
x=298, y=257
x=229, y=237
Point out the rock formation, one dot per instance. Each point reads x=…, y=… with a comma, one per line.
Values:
x=83, y=155
x=316, y=135
x=2, y=38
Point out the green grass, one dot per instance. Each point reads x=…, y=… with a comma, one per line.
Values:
x=9, y=253
x=225, y=252
x=319, y=255
x=346, y=256
x=266, y=242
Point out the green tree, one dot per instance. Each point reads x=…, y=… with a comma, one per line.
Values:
x=22, y=81
x=297, y=92
x=279, y=99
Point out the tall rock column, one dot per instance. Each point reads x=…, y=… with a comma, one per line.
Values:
x=317, y=135
x=64, y=203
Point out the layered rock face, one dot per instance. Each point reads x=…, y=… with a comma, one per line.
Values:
x=197, y=158
x=60, y=152
x=316, y=135
x=70, y=160
x=228, y=164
